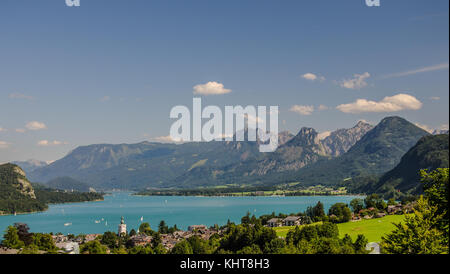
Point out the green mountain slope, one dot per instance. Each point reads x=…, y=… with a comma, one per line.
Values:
x=430, y=152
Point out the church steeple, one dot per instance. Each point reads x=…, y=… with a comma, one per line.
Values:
x=122, y=227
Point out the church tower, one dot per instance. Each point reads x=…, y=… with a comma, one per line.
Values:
x=122, y=227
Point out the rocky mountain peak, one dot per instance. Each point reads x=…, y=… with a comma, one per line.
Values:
x=341, y=140
x=305, y=137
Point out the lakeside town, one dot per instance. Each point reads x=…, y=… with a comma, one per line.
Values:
x=166, y=239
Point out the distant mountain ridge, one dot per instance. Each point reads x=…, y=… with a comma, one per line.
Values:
x=303, y=157
x=30, y=165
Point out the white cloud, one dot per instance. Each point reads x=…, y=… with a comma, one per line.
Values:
x=35, y=125
x=388, y=104
x=45, y=143
x=20, y=130
x=4, y=144
x=210, y=88
x=435, y=98
x=303, y=110
x=312, y=77
x=20, y=96
x=359, y=81
x=415, y=71
x=2, y=129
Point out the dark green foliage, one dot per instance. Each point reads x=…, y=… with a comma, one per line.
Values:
x=375, y=201
x=323, y=239
x=426, y=231
x=341, y=212
x=49, y=196
x=93, y=247
x=430, y=152
x=357, y=204
x=316, y=213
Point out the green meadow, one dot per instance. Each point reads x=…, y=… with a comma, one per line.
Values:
x=373, y=229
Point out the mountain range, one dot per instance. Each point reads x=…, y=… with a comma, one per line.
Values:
x=304, y=158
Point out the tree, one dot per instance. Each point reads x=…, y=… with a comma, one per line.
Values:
x=11, y=238
x=24, y=235
x=182, y=247
x=132, y=232
x=341, y=211
x=162, y=227
x=418, y=234
x=93, y=247
x=318, y=212
x=435, y=185
x=360, y=244
x=391, y=202
x=373, y=200
x=253, y=249
x=44, y=242
x=357, y=204
x=141, y=250
x=110, y=239
x=144, y=228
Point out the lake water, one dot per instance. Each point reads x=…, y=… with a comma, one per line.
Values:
x=98, y=217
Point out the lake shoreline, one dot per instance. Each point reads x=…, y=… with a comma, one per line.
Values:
x=40, y=211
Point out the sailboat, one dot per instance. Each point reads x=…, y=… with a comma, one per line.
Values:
x=142, y=218
x=106, y=223
x=67, y=224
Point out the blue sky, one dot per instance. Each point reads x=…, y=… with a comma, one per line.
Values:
x=110, y=71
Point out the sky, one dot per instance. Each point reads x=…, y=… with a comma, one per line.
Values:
x=109, y=71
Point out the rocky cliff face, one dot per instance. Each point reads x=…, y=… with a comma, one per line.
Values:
x=299, y=151
x=14, y=176
x=341, y=140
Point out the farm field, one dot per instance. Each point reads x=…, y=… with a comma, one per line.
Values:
x=373, y=229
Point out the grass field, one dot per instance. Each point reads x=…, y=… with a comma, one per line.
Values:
x=373, y=229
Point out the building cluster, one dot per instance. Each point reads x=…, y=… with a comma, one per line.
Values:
x=288, y=221
x=371, y=212
x=170, y=240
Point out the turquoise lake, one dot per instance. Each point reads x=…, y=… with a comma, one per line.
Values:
x=98, y=217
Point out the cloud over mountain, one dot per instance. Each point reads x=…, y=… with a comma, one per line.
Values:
x=388, y=104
